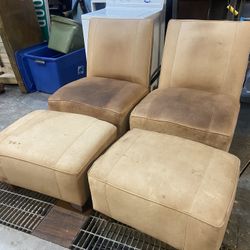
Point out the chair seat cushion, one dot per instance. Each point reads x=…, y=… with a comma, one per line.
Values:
x=176, y=190
x=106, y=99
x=50, y=152
x=193, y=114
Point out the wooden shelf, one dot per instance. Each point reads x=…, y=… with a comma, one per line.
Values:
x=6, y=73
x=8, y=78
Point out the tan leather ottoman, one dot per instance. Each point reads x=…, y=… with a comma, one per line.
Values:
x=50, y=152
x=173, y=189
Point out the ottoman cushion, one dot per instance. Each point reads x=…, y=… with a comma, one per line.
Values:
x=50, y=152
x=171, y=188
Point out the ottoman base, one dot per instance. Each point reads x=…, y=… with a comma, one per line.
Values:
x=176, y=190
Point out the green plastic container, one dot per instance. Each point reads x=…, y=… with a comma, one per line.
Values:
x=66, y=35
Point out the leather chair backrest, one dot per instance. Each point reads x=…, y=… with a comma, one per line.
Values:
x=206, y=55
x=120, y=49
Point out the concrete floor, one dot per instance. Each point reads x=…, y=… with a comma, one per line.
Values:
x=11, y=239
x=14, y=105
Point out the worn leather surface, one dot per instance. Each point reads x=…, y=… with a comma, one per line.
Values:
x=120, y=49
x=193, y=114
x=176, y=190
x=106, y=99
x=50, y=152
x=208, y=56
x=119, y=63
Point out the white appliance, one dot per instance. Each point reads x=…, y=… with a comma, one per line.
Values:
x=134, y=9
x=97, y=4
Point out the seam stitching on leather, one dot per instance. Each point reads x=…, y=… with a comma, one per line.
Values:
x=202, y=180
x=134, y=54
x=185, y=236
x=194, y=197
x=106, y=199
x=4, y=174
x=232, y=197
x=160, y=204
x=95, y=107
x=150, y=59
x=51, y=169
x=174, y=62
x=210, y=123
x=108, y=143
x=123, y=153
x=149, y=105
x=172, y=123
x=92, y=168
x=132, y=104
x=228, y=59
x=105, y=143
x=74, y=141
x=235, y=185
x=98, y=108
x=57, y=184
x=114, y=165
x=90, y=52
x=38, y=165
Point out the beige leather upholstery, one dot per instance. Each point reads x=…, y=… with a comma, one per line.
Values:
x=189, y=113
x=202, y=74
x=119, y=62
x=120, y=49
x=106, y=99
x=176, y=190
x=50, y=152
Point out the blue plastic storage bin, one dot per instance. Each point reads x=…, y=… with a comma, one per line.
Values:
x=22, y=64
x=51, y=69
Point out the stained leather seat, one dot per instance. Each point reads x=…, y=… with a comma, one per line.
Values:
x=203, y=70
x=117, y=75
x=189, y=113
x=107, y=99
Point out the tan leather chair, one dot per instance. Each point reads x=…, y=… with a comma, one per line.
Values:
x=118, y=69
x=203, y=69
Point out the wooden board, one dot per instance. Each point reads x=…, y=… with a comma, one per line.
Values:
x=8, y=78
x=6, y=73
x=19, y=29
x=60, y=226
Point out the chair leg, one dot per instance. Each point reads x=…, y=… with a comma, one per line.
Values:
x=77, y=207
x=12, y=188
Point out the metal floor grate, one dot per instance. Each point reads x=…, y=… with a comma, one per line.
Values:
x=99, y=233
x=23, y=209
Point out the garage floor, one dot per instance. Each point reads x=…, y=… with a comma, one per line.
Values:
x=14, y=105
x=14, y=240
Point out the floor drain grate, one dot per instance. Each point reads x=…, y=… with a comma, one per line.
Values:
x=23, y=209
x=99, y=233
